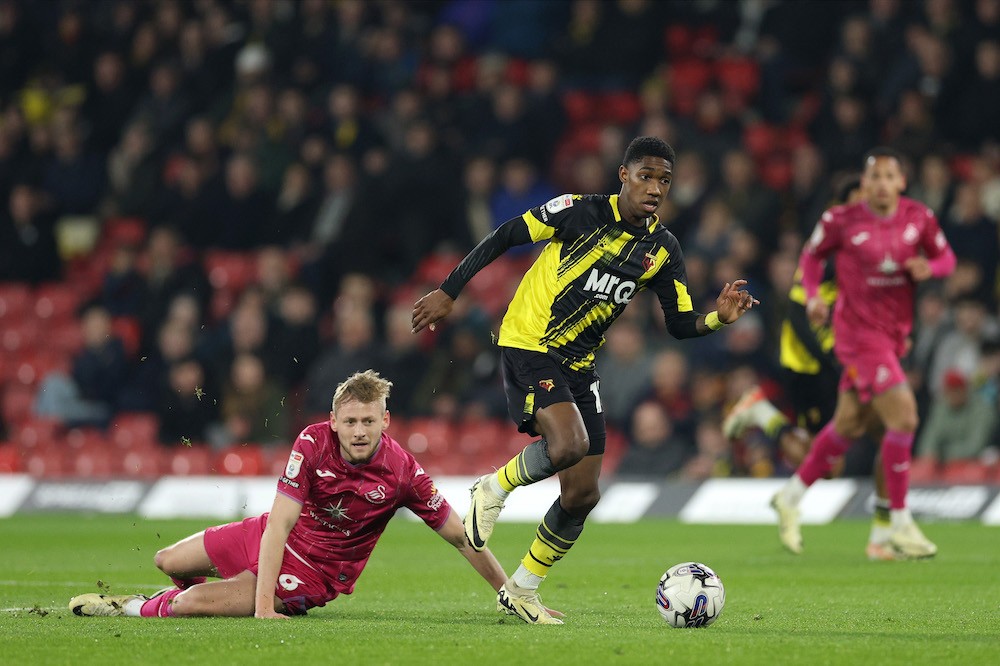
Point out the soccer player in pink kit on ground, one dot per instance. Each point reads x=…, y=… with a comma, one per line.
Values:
x=883, y=246
x=344, y=480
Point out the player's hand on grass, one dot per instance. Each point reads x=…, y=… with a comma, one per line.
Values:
x=429, y=309
x=553, y=612
x=269, y=614
x=817, y=311
x=733, y=302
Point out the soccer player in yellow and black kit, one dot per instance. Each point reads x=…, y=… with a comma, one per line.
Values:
x=812, y=375
x=602, y=250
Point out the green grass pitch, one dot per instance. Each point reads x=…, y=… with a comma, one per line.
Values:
x=420, y=603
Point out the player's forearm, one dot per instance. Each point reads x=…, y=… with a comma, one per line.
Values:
x=943, y=264
x=507, y=235
x=812, y=273
x=272, y=550
x=486, y=565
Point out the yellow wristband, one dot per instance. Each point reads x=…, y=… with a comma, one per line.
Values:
x=712, y=320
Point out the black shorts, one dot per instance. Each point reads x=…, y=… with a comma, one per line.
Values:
x=533, y=380
x=813, y=397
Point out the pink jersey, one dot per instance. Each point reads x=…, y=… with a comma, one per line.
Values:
x=874, y=308
x=346, y=507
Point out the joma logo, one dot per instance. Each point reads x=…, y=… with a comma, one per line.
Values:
x=604, y=286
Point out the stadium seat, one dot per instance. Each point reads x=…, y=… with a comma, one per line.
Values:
x=620, y=108
x=580, y=107
x=189, y=460
x=240, y=460
x=19, y=336
x=86, y=438
x=16, y=404
x=230, y=270
x=923, y=470
x=57, y=301
x=123, y=230
x=129, y=331
x=15, y=300
x=430, y=436
x=275, y=460
x=477, y=437
x=45, y=463
x=965, y=472
x=142, y=463
x=37, y=434
x=31, y=368
x=134, y=430
x=739, y=75
x=10, y=459
x=93, y=463
x=65, y=336
x=761, y=139
x=687, y=79
x=678, y=41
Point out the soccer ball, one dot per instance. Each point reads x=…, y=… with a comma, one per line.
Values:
x=690, y=595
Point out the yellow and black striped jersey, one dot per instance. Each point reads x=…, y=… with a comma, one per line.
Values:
x=593, y=265
x=806, y=348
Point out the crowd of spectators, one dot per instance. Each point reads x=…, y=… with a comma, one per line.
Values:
x=346, y=154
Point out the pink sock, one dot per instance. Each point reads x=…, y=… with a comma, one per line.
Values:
x=896, y=451
x=185, y=583
x=160, y=606
x=827, y=448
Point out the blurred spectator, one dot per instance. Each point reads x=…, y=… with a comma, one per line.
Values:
x=625, y=371
x=463, y=376
x=353, y=350
x=296, y=336
x=109, y=101
x=978, y=107
x=27, y=239
x=252, y=407
x=175, y=340
x=751, y=202
x=402, y=359
x=654, y=449
x=123, y=289
x=974, y=238
x=959, y=349
x=934, y=185
x=169, y=272
x=133, y=173
x=89, y=395
x=74, y=177
x=960, y=425
x=188, y=406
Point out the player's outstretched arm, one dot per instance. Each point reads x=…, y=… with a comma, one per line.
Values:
x=485, y=564
x=431, y=308
x=734, y=302
x=284, y=514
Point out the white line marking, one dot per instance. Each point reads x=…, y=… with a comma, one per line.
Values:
x=90, y=583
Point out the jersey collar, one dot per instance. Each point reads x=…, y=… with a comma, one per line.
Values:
x=613, y=200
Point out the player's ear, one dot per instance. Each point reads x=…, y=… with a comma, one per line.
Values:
x=333, y=420
x=385, y=420
x=622, y=173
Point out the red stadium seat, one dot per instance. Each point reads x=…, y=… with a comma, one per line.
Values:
x=230, y=270
x=37, y=434
x=19, y=336
x=275, y=460
x=241, y=460
x=429, y=437
x=93, y=463
x=687, y=79
x=189, y=461
x=129, y=331
x=65, y=336
x=479, y=437
x=965, y=472
x=740, y=75
x=123, y=230
x=134, y=430
x=10, y=459
x=923, y=470
x=142, y=463
x=16, y=404
x=15, y=300
x=622, y=108
x=31, y=368
x=47, y=463
x=580, y=107
x=761, y=139
x=54, y=302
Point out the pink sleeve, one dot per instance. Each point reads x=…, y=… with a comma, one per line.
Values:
x=425, y=501
x=294, y=479
x=824, y=239
x=940, y=256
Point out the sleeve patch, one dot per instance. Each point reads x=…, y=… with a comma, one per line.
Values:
x=559, y=203
x=294, y=464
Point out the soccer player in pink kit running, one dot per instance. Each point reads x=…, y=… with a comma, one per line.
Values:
x=883, y=246
x=344, y=480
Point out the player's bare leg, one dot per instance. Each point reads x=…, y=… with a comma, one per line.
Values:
x=186, y=562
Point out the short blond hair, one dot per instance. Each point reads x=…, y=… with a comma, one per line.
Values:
x=365, y=387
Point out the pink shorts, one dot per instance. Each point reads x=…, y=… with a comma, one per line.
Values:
x=870, y=373
x=235, y=547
